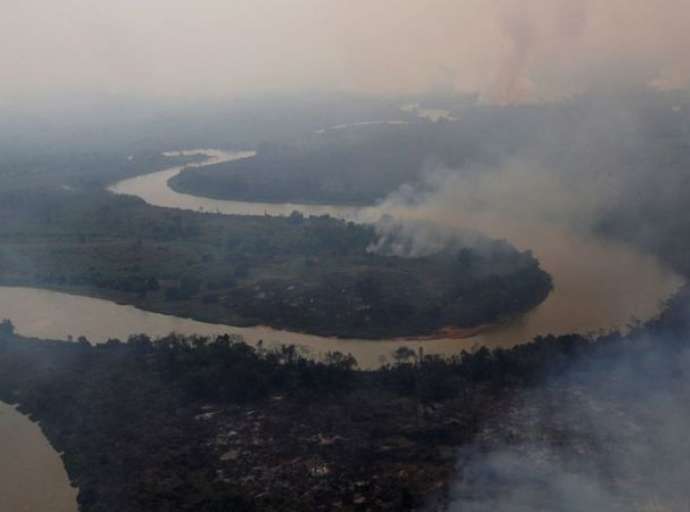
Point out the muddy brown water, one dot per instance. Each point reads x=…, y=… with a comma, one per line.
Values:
x=32, y=477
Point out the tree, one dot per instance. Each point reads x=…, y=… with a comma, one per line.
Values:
x=152, y=284
x=296, y=217
x=6, y=328
x=403, y=355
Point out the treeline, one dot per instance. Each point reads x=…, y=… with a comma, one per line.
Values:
x=127, y=126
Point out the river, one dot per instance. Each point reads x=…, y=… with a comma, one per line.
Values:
x=32, y=477
x=599, y=286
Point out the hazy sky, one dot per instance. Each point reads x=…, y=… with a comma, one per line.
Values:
x=508, y=50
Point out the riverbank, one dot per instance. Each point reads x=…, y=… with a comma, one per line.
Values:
x=119, y=300
x=317, y=275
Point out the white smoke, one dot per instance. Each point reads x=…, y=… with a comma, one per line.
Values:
x=607, y=436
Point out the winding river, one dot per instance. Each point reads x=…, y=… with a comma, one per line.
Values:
x=599, y=286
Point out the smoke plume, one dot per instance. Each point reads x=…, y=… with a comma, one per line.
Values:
x=609, y=435
x=508, y=51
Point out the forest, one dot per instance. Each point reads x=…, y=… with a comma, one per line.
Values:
x=310, y=274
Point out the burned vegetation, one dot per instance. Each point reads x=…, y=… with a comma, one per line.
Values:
x=214, y=424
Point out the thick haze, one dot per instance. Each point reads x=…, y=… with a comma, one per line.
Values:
x=508, y=50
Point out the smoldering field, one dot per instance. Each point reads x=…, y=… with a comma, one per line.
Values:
x=609, y=434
